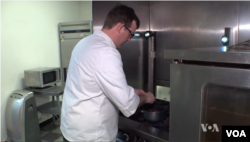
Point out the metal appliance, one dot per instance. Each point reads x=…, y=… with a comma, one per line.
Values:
x=209, y=89
x=124, y=136
x=229, y=38
x=138, y=57
x=149, y=131
x=70, y=33
x=42, y=77
x=21, y=117
x=202, y=27
x=138, y=61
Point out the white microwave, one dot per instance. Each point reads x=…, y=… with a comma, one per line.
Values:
x=42, y=77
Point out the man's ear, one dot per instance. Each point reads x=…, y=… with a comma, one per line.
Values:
x=119, y=27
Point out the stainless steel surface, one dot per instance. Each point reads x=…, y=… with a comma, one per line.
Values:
x=184, y=25
x=101, y=9
x=123, y=136
x=52, y=107
x=241, y=46
x=14, y=105
x=231, y=33
x=50, y=91
x=70, y=33
x=185, y=111
x=36, y=77
x=224, y=105
x=77, y=29
x=134, y=57
x=151, y=64
x=150, y=131
x=203, y=25
x=244, y=21
x=144, y=131
x=162, y=83
x=67, y=46
x=212, y=54
x=138, y=55
x=194, y=24
x=192, y=105
x=21, y=117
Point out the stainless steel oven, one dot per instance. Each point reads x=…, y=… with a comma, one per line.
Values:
x=210, y=88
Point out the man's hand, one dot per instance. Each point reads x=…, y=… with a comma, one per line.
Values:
x=150, y=98
x=147, y=98
x=139, y=92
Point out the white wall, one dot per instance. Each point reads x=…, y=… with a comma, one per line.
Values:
x=86, y=10
x=29, y=39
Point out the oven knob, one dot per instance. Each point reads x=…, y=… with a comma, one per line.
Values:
x=126, y=136
x=120, y=136
x=132, y=137
x=141, y=140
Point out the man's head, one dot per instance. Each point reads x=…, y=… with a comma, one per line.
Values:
x=120, y=24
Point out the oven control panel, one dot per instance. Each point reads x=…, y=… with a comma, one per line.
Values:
x=123, y=136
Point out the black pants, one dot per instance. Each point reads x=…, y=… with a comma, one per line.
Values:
x=65, y=140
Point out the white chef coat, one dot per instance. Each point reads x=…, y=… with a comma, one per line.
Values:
x=96, y=89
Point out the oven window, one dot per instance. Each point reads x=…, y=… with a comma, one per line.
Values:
x=222, y=106
x=49, y=77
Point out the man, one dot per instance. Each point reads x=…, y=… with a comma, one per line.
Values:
x=96, y=87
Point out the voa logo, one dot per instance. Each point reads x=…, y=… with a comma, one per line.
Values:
x=236, y=133
x=210, y=128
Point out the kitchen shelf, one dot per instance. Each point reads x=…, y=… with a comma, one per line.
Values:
x=50, y=108
x=51, y=91
x=53, y=107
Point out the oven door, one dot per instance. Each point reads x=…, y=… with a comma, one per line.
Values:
x=205, y=98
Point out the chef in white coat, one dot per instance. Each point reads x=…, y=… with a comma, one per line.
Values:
x=96, y=88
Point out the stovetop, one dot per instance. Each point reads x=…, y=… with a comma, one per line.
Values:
x=241, y=46
x=150, y=131
x=163, y=124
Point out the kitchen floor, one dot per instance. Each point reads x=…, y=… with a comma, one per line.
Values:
x=51, y=132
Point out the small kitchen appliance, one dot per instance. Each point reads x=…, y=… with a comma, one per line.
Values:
x=21, y=117
x=42, y=77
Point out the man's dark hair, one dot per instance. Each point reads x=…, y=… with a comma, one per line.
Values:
x=121, y=14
